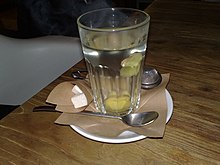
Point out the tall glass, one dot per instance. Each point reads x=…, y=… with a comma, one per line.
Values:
x=114, y=41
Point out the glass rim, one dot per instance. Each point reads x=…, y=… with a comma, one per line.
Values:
x=114, y=28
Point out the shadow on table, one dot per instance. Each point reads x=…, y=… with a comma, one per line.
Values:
x=6, y=109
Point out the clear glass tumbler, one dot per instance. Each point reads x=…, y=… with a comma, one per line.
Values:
x=114, y=42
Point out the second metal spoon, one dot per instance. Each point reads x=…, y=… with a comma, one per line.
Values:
x=150, y=77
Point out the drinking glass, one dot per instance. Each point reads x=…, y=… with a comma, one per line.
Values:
x=114, y=42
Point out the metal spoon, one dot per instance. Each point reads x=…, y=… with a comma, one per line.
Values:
x=150, y=77
x=132, y=119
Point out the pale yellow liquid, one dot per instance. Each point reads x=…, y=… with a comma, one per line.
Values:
x=113, y=93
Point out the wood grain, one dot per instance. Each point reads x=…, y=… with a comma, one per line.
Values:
x=184, y=40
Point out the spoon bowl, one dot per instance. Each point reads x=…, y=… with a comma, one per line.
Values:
x=140, y=119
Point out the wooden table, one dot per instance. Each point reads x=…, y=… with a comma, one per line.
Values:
x=184, y=40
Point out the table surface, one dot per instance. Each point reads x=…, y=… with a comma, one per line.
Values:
x=184, y=40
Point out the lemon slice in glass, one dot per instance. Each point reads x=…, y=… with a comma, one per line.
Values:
x=117, y=104
x=131, y=65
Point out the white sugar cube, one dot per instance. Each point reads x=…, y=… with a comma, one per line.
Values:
x=76, y=90
x=79, y=100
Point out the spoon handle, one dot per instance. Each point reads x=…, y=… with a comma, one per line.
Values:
x=85, y=112
x=98, y=114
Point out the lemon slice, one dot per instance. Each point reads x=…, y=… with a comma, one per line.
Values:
x=131, y=65
x=129, y=71
x=132, y=61
x=117, y=104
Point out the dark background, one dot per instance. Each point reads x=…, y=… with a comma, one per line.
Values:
x=9, y=13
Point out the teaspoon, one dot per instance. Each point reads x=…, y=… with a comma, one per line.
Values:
x=132, y=119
